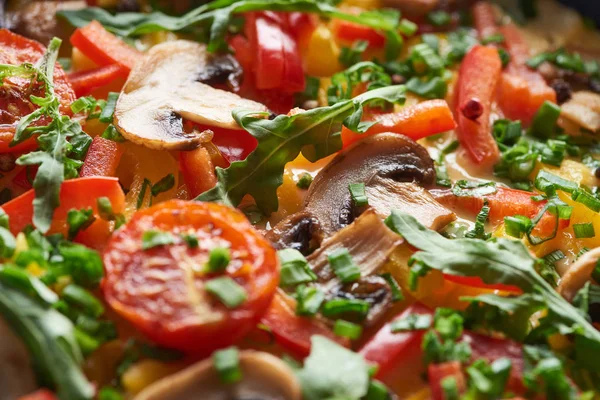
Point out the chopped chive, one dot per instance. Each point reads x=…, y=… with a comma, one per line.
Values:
x=583, y=197
x=553, y=257
x=411, y=322
x=517, y=225
x=545, y=179
x=304, y=181
x=227, y=364
x=584, y=230
x=111, y=133
x=308, y=300
x=394, y=287
x=439, y=18
x=218, y=259
x=227, y=291
x=83, y=104
x=294, y=268
x=495, y=38
x=140, y=200
x=78, y=296
x=108, y=111
x=544, y=121
x=109, y=393
x=154, y=238
x=343, y=266
x=163, y=185
x=407, y=28
x=342, y=306
x=357, y=192
x=377, y=391
x=347, y=329
x=450, y=388
x=190, y=239
x=79, y=220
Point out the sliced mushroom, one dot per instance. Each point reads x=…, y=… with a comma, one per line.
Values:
x=389, y=156
x=164, y=88
x=17, y=378
x=578, y=274
x=370, y=243
x=264, y=377
x=300, y=231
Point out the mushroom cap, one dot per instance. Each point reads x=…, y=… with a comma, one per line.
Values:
x=385, y=155
x=164, y=88
x=264, y=377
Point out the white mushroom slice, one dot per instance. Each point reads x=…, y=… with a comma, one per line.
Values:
x=581, y=115
x=578, y=274
x=17, y=378
x=589, y=99
x=163, y=88
x=264, y=377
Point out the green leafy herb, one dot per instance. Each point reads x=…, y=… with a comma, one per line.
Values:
x=504, y=56
x=478, y=231
x=332, y=371
x=215, y=18
x=227, y=364
x=434, y=88
x=560, y=58
x=79, y=220
x=351, y=55
x=111, y=133
x=227, y=290
x=313, y=132
x=7, y=243
x=517, y=225
x=488, y=380
x=394, y=287
x=154, y=238
x=165, y=184
x=347, y=329
x=498, y=261
x=343, y=83
x=344, y=267
x=79, y=297
x=105, y=210
x=450, y=388
x=442, y=178
x=544, y=121
x=294, y=268
x=218, y=259
x=308, y=300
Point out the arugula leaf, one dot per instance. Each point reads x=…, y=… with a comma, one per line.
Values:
x=315, y=133
x=50, y=338
x=333, y=372
x=216, y=16
x=498, y=261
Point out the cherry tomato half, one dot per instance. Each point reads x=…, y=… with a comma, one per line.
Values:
x=161, y=290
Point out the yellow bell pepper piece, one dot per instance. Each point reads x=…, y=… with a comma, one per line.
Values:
x=322, y=53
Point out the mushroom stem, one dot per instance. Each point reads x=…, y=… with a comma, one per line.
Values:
x=578, y=274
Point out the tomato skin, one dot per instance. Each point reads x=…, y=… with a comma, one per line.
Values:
x=15, y=50
x=292, y=332
x=102, y=158
x=74, y=193
x=478, y=78
x=351, y=32
x=42, y=394
x=160, y=290
x=84, y=82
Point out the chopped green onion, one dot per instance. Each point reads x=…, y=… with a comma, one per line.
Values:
x=407, y=28
x=342, y=264
x=507, y=132
x=78, y=220
x=108, y=111
x=111, y=133
x=544, y=121
x=109, y=393
x=584, y=230
x=342, y=306
x=517, y=225
x=294, y=268
x=465, y=188
x=504, y=56
x=357, y=192
x=347, y=329
x=227, y=291
x=411, y=322
x=218, y=259
x=154, y=238
x=450, y=388
x=495, y=38
x=394, y=287
x=163, y=185
x=439, y=18
x=377, y=391
x=424, y=53
x=304, y=181
x=432, y=41
x=190, y=239
x=227, y=364
x=83, y=104
x=434, y=88
x=554, y=256
x=86, y=343
x=587, y=199
x=308, y=300
x=78, y=296
x=545, y=179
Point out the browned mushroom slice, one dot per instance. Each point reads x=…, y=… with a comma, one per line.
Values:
x=164, y=88
x=17, y=378
x=386, y=155
x=264, y=377
x=370, y=243
x=578, y=274
x=300, y=231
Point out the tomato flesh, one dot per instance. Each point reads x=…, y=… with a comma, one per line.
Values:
x=161, y=289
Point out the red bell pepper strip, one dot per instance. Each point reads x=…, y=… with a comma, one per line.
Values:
x=84, y=82
x=42, y=394
x=292, y=332
x=74, y=194
x=24, y=178
x=350, y=32
x=484, y=18
x=102, y=159
x=15, y=50
x=387, y=349
x=478, y=77
x=198, y=171
x=104, y=48
x=437, y=372
x=277, y=63
x=418, y=121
